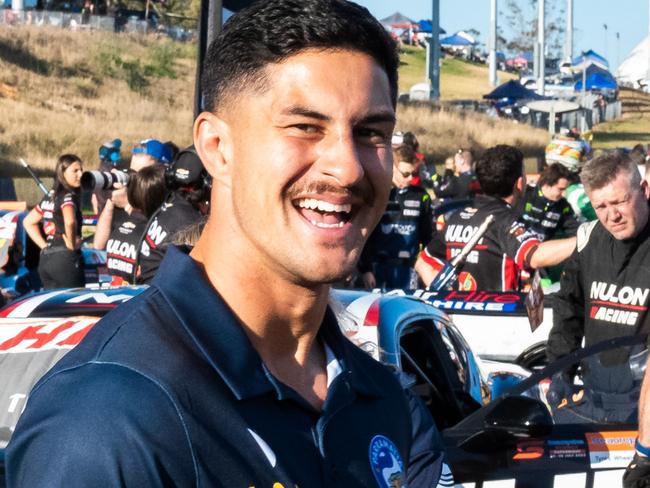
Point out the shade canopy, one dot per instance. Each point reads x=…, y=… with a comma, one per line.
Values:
x=513, y=90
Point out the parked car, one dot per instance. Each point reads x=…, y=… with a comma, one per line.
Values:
x=498, y=424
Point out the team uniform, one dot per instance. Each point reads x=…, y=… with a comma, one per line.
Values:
x=544, y=217
x=60, y=267
x=163, y=397
x=604, y=294
x=395, y=243
x=496, y=262
x=122, y=246
x=174, y=215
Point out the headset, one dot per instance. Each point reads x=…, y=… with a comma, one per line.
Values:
x=170, y=174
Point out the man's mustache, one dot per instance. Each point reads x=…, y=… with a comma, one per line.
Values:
x=362, y=192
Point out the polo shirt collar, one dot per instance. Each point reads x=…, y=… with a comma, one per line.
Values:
x=219, y=337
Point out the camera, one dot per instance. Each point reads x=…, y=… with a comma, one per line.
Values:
x=103, y=180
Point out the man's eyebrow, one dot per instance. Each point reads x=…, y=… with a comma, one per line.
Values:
x=305, y=112
x=379, y=117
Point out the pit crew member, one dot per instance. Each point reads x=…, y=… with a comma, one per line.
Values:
x=230, y=369
x=543, y=208
x=184, y=206
x=388, y=257
x=459, y=183
x=605, y=286
x=507, y=247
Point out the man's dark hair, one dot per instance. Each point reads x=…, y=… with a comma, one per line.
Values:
x=601, y=170
x=270, y=31
x=554, y=173
x=498, y=170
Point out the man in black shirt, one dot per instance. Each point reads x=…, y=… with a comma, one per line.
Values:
x=543, y=208
x=507, y=247
x=459, y=183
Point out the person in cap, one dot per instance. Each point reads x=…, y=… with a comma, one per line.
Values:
x=231, y=369
x=185, y=206
x=117, y=209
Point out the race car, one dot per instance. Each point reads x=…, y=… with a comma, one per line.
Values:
x=498, y=424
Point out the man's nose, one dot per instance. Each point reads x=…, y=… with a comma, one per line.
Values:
x=341, y=161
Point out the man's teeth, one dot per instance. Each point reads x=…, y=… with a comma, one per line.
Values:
x=327, y=226
x=313, y=204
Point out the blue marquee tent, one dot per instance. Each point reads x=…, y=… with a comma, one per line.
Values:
x=456, y=40
x=598, y=81
x=590, y=57
x=513, y=90
x=426, y=27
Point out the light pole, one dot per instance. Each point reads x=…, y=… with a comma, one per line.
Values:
x=541, y=54
x=493, y=43
x=605, y=28
x=568, y=41
x=434, y=51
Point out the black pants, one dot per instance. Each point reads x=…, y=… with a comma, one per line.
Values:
x=60, y=267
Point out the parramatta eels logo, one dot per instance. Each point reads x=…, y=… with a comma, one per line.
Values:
x=386, y=463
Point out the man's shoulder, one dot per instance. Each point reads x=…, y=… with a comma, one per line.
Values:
x=142, y=335
x=590, y=235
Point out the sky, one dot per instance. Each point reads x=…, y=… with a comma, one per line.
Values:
x=627, y=17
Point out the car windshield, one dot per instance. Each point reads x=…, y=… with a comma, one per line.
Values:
x=600, y=384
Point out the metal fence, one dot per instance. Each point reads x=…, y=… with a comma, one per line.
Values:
x=78, y=21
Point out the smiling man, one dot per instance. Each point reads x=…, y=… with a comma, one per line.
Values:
x=231, y=369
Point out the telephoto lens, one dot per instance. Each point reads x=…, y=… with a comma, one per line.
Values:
x=103, y=180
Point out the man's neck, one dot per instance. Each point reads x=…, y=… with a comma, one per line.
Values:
x=280, y=318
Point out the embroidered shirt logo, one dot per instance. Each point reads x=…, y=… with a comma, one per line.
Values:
x=386, y=463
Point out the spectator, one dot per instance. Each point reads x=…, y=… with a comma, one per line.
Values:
x=507, y=247
x=388, y=257
x=543, y=208
x=61, y=263
x=145, y=193
x=461, y=184
x=184, y=206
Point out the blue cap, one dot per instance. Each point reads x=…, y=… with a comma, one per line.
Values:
x=161, y=152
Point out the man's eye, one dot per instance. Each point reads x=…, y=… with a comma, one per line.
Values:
x=307, y=128
x=374, y=135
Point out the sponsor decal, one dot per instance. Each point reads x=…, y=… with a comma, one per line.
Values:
x=466, y=281
x=625, y=295
x=461, y=233
x=517, y=229
x=400, y=229
x=386, y=463
x=411, y=213
x=529, y=450
x=610, y=449
x=43, y=334
x=470, y=301
x=566, y=449
x=412, y=203
x=155, y=234
x=121, y=249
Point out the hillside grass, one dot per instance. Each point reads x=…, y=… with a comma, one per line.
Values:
x=459, y=79
x=629, y=130
x=63, y=91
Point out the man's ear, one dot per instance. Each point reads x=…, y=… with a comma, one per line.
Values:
x=645, y=188
x=212, y=142
x=521, y=184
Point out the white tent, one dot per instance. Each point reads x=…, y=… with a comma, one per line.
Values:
x=634, y=70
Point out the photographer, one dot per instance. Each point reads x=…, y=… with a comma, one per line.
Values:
x=117, y=209
x=61, y=264
x=146, y=191
x=184, y=206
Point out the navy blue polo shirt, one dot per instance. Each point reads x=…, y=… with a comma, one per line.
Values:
x=167, y=390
